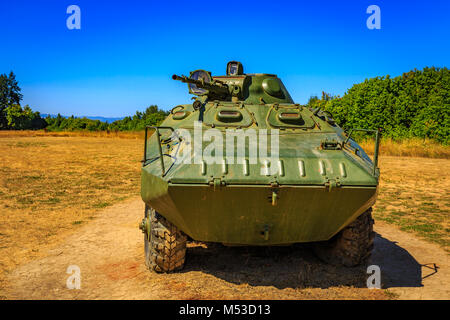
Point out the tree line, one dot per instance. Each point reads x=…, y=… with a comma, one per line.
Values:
x=12, y=115
x=415, y=104
x=15, y=117
x=150, y=117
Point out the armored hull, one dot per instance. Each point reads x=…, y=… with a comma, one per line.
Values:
x=319, y=186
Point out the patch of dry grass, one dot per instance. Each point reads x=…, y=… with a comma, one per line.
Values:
x=52, y=185
x=408, y=148
x=92, y=134
x=388, y=147
x=414, y=195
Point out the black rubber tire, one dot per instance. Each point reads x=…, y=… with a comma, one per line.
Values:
x=352, y=246
x=165, y=251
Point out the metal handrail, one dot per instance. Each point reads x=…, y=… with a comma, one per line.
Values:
x=377, y=144
x=161, y=155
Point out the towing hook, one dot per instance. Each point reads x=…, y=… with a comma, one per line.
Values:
x=143, y=226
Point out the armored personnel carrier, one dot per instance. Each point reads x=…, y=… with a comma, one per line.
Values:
x=245, y=165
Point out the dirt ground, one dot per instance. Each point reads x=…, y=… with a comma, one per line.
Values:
x=50, y=186
x=109, y=252
x=62, y=203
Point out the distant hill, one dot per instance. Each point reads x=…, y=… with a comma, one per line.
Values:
x=150, y=117
x=102, y=119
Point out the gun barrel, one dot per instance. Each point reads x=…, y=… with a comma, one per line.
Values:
x=175, y=77
x=216, y=87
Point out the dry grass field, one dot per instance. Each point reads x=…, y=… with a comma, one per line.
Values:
x=414, y=195
x=90, y=134
x=424, y=148
x=51, y=184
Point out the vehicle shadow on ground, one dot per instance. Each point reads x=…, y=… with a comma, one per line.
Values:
x=297, y=266
x=398, y=268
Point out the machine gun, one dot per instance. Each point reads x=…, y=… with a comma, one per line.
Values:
x=201, y=83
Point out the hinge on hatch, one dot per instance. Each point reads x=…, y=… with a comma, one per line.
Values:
x=216, y=183
x=330, y=145
x=332, y=183
x=274, y=188
x=273, y=198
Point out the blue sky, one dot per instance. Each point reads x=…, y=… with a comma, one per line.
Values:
x=126, y=51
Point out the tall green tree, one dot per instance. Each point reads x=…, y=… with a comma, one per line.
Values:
x=9, y=95
x=18, y=118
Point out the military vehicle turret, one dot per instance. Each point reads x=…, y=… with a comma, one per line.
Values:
x=245, y=165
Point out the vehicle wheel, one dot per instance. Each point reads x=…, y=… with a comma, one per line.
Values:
x=165, y=244
x=352, y=246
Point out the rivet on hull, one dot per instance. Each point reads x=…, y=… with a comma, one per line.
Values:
x=281, y=168
x=301, y=168
x=203, y=166
x=224, y=166
x=266, y=168
x=322, y=169
x=245, y=167
x=342, y=169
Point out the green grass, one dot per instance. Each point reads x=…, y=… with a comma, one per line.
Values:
x=28, y=144
x=51, y=201
x=430, y=231
x=102, y=205
x=390, y=294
